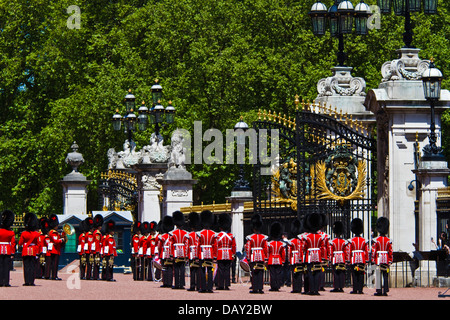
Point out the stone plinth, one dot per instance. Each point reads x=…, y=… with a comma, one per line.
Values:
x=237, y=200
x=177, y=185
x=75, y=193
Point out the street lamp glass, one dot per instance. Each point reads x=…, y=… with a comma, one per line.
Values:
x=170, y=112
x=346, y=13
x=400, y=7
x=117, y=121
x=384, y=5
x=130, y=120
x=156, y=92
x=158, y=112
x=415, y=5
x=362, y=13
x=130, y=101
x=430, y=6
x=432, y=78
x=143, y=117
x=334, y=20
x=318, y=15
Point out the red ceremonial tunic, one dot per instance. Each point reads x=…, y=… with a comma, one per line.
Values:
x=89, y=243
x=135, y=244
x=109, y=246
x=205, y=244
x=7, y=242
x=296, y=251
x=358, y=250
x=97, y=241
x=224, y=246
x=164, y=246
x=314, y=243
x=81, y=242
x=29, y=242
x=54, y=247
x=382, y=252
x=256, y=247
x=191, y=241
x=178, y=246
x=150, y=245
x=276, y=252
x=338, y=251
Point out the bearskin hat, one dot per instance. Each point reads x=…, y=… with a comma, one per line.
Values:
x=357, y=226
x=98, y=220
x=89, y=223
x=178, y=219
x=256, y=222
x=383, y=226
x=31, y=222
x=324, y=220
x=137, y=227
x=338, y=228
x=44, y=224
x=153, y=226
x=313, y=222
x=7, y=219
x=53, y=221
x=224, y=221
x=145, y=227
x=207, y=219
x=167, y=224
x=194, y=220
x=296, y=227
x=83, y=227
x=276, y=229
x=110, y=226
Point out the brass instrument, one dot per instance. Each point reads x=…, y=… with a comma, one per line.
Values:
x=68, y=229
x=317, y=267
x=384, y=267
x=300, y=268
x=180, y=260
x=91, y=259
x=194, y=264
x=104, y=262
x=111, y=261
x=42, y=260
x=168, y=262
x=208, y=263
x=359, y=267
x=341, y=266
x=259, y=266
x=83, y=260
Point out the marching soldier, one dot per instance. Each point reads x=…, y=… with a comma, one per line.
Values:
x=256, y=250
x=89, y=247
x=224, y=250
x=135, y=260
x=205, y=241
x=276, y=251
x=29, y=243
x=358, y=252
x=382, y=256
x=97, y=248
x=145, y=232
x=164, y=245
x=42, y=245
x=7, y=246
x=191, y=241
x=296, y=257
x=314, y=243
x=54, y=248
x=109, y=250
x=324, y=251
x=179, y=250
x=150, y=246
x=81, y=249
x=338, y=260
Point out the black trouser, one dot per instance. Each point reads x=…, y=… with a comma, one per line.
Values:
x=338, y=277
x=96, y=266
x=276, y=276
x=206, y=276
x=358, y=279
x=179, y=269
x=108, y=271
x=314, y=274
x=167, y=273
x=5, y=267
x=223, y=273
x=89, y=264
x=51, y=266
x=193, y=277
x=257, y=277
x=297, y=278
x=40, y=267
x=29, y=269
x=384, y=281
x=148, y=269
x=133, y=267
x=83, y=266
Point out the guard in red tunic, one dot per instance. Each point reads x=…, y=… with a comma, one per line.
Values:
x=191, y=241
x=358, y=253
x=314, y=243
x=54, y=248
x=325, y=250
x=142, y=252
x=206, y=253
x=44, y=228
x=81, y=248
x=164, y=249
x=276, y=251
x=296, y=253
x=109, y=250
x=96, y=250
x=150, y=249
x=225, y=250
x=256, y=252
x=179, y=250
x=7, y=246
x=29, y=242
x=382, y=255
x=337, y=256
x=134, y=259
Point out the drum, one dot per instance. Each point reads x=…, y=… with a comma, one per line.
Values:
x=244, y=265
x=157, y=262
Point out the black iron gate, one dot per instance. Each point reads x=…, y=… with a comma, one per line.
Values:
x=324, y=165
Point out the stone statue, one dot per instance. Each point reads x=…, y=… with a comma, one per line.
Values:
x=178, y=153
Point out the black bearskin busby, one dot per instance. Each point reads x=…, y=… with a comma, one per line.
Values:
x=167, y=224
x=31, y=222
x=153, y=225
x=276, y=230
x=338, y=228
x=110, y=226
x=224, y=221
x=178, y=219
x=383, y=226
x=313, y=222
x=44, y=225
x=137, y=227
x=206, y=219
x=357, y=226
x=257, y=223
x=296, y=228
x=89, y=223
x=7, y=219
x=98, y=220
x=145, y=227
x=53, y=221
x=194, y=221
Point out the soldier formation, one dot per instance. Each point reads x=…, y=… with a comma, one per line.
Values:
x=160, y=251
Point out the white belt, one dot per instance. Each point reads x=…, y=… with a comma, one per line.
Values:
x=314, y=249
x=205, y=246
x=358, y=251
x=258, y=248
x=178, y=244
x=338, y=252
x=382, y=252
x=4, y=243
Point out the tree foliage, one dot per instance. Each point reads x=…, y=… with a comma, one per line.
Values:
x=216, y=59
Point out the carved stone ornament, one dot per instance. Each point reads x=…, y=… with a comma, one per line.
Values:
x=151, y=182
x=408, y=67
x=342, y=83
x=74, y=158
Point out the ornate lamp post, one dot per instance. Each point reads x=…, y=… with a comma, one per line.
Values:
x=241, y=184
x=405, y=8
x=341, y=17
x=432, y=79
x=158, y=114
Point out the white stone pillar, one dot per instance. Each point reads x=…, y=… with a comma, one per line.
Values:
x=237, y=200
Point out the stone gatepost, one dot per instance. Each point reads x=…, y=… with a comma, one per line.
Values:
x=177, y=189
x=237, y=200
